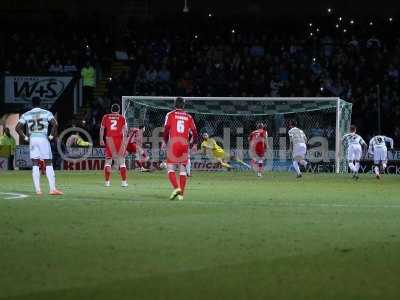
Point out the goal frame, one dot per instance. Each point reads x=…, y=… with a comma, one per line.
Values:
x=336, y=100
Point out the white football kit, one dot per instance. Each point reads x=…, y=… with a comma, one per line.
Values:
x=354, y=142
x=298, y=140
x=377, y=147
x=37, y=121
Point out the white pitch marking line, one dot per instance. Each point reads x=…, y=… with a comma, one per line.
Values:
x=285, y=204
x=14, y=196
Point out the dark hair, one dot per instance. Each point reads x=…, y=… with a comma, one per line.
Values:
x=292, y=123
x=260, y=125
x=115, y=108
x=179, y=102
x=353, y=128
x=141, y=126
x=36, y=101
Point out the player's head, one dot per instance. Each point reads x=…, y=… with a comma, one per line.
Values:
x=292, y=123
x=205, y=136
x=36, y=101
x=179, y=103
x=115, y=108
x=353, y=128
x=142, y=127
x=260, y=125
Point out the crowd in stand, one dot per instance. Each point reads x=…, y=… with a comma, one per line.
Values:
x=358, y=69
x=358, y=66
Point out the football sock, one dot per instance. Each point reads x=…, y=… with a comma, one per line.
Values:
x=122, y=172
x=303, y=162
x=36, y=178
x=352, y=167
x=107, y=173
x=51, y=177
x=182, y=181
x=296, y=167
x=357, y=166
x=376, y=170
x=260, y=167
x=254, y=165
x=172, y=179
x=383, y=166
x=188, y=167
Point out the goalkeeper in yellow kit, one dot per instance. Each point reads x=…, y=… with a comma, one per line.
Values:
x=216, y=150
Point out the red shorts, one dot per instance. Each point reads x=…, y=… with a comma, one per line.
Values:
x=131, y=148
x=113, y=147
x=258, y=152
x=178, y=153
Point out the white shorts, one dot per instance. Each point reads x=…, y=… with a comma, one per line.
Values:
x=299, y=151
x=354, y=152
x=380, y=155
x=40, y=148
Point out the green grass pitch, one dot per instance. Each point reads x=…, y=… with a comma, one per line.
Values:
x=234, y=236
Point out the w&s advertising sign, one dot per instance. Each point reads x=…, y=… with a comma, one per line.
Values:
x=21, y=89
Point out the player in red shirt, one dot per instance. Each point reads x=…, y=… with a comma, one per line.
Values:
x=114, y=127
x=258, y=146
x=179, y=125
x=135, y=146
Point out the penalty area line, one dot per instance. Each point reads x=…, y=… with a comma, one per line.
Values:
x=13, y=196
x=288, y=204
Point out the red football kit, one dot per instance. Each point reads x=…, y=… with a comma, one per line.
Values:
x=178, y=127
x=258, y=144
x=115, y=126
x=135, y=140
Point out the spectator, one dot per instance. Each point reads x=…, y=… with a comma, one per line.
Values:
x=88, y=74
x=6, y=139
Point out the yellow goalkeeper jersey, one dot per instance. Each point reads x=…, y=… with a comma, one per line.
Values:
x=217, y=151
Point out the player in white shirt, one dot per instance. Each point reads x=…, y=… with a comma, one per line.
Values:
x=354, y=144
x=298, y=143
x=377, y=148
x=37, y=122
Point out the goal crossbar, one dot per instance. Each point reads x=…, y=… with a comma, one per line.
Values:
x=171, y=98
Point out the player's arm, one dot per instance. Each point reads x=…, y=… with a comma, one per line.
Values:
x=193, y=130
x=371, y=146
x=363, y=143
x=124, y=130
x=101, y=133
x=20, y=129
x=304, y=137
x=290, y=140
x=167, y=129
x=390, y=141
x=54, y=126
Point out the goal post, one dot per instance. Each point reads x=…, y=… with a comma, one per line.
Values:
x=230, y=119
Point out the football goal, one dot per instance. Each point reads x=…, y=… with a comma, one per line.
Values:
x=231, y=119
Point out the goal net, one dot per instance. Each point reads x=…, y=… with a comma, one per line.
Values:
x=231, y=119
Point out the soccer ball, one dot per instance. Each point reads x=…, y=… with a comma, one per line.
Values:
x=163, y=165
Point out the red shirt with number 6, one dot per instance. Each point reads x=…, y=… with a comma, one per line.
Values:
x=178, y=127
